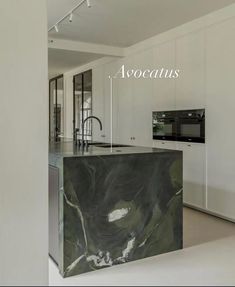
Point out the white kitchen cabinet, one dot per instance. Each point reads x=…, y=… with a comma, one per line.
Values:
x=110, y=69
x=98, y=103
x=125, y=104
x=135, y=102
x=142, y=101
x=220, y=96
x=164, y=144
x=194, y=188
x=101, y=102
x=190, y=60
x=164, y=89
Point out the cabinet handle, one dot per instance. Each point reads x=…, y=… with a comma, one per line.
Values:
x=163, y=143
x=189, y=145
x=103, y=136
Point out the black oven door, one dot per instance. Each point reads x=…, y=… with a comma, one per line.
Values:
x=191, y=126
x=164, y=126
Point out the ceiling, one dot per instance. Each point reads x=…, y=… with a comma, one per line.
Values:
x=125, y=22
x=61, y=61
x=120, y=23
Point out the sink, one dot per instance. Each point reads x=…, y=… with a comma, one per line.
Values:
x=109, y=145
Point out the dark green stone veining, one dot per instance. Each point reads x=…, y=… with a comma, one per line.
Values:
x=120, y=208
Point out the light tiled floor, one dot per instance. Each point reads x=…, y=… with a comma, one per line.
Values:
x=201, y=228
x=207, y=259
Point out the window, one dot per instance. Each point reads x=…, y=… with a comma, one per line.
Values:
x=82, y=103
x=56, y=108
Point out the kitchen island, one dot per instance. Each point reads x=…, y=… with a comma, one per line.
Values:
x=111, y=206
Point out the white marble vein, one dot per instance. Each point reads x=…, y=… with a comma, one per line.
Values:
x=74, y=264
x=80, y=216
x=180, y=191
x=118, y=214
x=100, y=260
x=127, y=250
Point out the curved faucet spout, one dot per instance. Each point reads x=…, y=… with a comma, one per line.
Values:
x=83, y=124
x=93, y=117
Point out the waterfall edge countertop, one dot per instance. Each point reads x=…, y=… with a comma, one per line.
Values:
x=108, y=207
x=69, y=149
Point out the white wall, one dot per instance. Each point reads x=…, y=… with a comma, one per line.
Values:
x=220, y=96
x=23, y=144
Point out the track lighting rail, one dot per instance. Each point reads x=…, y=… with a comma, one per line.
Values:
x=68, y=15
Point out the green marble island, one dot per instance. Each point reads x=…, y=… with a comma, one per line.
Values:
x=112, y=207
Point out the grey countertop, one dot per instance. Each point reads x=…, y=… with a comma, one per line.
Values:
x=67, y=148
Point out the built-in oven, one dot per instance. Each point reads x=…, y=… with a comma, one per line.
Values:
x=191, y=126
x=164, y=125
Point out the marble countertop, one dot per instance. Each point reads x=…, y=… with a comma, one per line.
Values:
x=68, y=149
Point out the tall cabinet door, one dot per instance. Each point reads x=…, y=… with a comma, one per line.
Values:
x=220, y=94
x=110, y=108
x=142, y=101
x=98, y=103
x=193, y=173
x=125, y=104
x=190, y=60
x=164, y=89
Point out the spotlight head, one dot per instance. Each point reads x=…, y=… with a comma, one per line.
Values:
x=71, y=18
x=56, y=29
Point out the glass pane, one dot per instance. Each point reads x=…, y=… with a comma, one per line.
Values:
x=83, y=103
x=78, y=102
x=163, y=129
x=56, y=113
x=52, y=109
x=87, y=103
x=60, y=107
x=192, y=130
